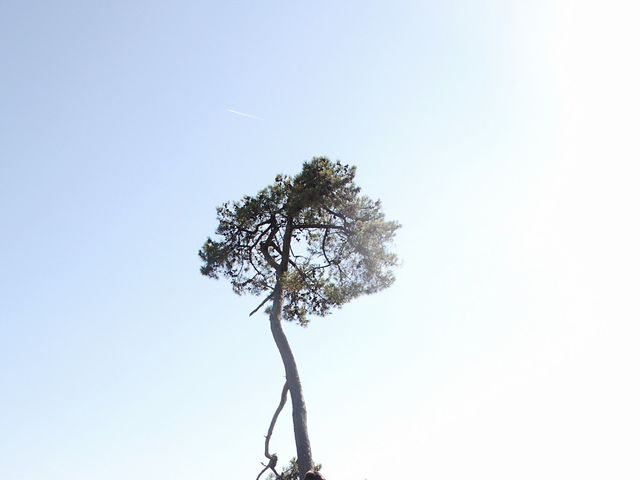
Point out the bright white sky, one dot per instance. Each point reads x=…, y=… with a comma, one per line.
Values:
x=502, y=135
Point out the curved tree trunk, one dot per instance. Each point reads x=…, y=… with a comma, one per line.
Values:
x=303, y=446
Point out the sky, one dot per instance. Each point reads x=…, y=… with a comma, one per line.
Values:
x=502, y=136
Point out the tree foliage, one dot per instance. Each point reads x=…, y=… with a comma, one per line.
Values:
x=334, y=239
x=290, y=472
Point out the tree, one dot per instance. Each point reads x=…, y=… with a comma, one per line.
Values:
x=308, y=243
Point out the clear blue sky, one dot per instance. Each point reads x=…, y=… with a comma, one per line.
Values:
x=502, y=135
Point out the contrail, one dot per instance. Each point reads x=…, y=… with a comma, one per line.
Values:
x=242, y=114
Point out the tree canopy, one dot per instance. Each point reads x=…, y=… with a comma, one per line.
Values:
x=315, y=233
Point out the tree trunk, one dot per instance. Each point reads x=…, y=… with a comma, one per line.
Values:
x=303, y=446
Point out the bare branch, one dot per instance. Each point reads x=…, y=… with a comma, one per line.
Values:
x=273, y=458
x=266, y=467
x=283, y=400
x=261, y=304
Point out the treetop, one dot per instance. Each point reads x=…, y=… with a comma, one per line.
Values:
x=315, y=235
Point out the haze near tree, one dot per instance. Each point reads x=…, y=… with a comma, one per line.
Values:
x=307, y=244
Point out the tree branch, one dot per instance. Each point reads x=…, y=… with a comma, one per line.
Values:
x=283, y=400
x=335, y=214
x=263, y=470
x=273, y=458
x=261, y=304
x=324, y=245
x=305, y=276
x=277, y=248
x=264, y=246
x=318, y=225
x=258, y=239
x=251, y=233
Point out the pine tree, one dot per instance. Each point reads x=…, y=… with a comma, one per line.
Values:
x=308, y=244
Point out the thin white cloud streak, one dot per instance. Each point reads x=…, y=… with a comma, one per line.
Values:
x=242, y=114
